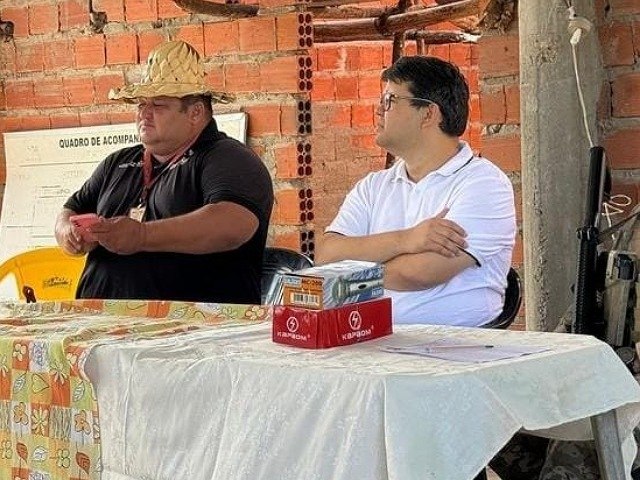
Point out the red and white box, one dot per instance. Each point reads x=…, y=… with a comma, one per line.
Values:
x=334, y=327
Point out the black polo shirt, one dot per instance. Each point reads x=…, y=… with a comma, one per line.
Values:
x=215, y=169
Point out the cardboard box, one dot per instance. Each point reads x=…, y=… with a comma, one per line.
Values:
x=334, y=327
x=331, y=285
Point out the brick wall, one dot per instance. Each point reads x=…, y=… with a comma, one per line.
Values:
x=346, y=92
x=56, y=73
x=619, y=109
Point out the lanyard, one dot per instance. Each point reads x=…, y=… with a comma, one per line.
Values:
x=148, y=180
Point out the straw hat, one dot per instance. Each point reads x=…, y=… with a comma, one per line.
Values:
x=173, y=70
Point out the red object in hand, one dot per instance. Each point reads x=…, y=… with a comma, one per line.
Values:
x=83, y=223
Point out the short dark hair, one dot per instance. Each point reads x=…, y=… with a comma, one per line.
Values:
x=189, y=100
x=438, y=81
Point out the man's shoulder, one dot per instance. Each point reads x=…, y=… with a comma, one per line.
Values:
x=127, y=155
x=481, y=169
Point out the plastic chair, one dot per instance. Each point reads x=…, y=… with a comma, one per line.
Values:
x=512, y=302
x=44, y=274
x=279, y=260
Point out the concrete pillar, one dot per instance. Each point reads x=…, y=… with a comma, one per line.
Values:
x=555, y=152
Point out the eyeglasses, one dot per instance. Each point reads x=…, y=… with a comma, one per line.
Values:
x=388, y=98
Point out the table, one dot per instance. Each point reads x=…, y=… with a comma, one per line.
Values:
x=232, y=405
x=201, y=392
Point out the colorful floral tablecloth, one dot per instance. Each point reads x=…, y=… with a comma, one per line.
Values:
x=49, y=423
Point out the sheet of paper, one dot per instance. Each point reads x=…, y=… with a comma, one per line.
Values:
x=461, y=350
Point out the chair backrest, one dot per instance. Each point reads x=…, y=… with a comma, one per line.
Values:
x=512, y=302
x=42, y=274
x=280, y=260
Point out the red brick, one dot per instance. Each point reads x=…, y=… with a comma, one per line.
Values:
x=474, y=108
x=193, y=35
x=347, y=88
x=242, y=77
x=329, y=58
x=503, y=150
x=35, y=123
x=621, y=7
x=493, y=105
x=365, y=147
x=616, y=42
x=286, y=161
x=113, y=8
x=141, y=10
x=369, y=85
x=440, y=51
x=257, y=34
x=90, y=119
x=169, y=9
x=517, y=257
x=323, y=88
x=288, y=120
x=122, y=49
x=65, y=120
x=43, y=19
x=328, y=116
x=74, y=13
x=8, y=55
x=286, y=208
x=351, y=56
x=221, y=37
x=263, y=120
x=147, y=41
x=103, y=83
x=3, y=97
x=121, y=117
x=471, y=75
x=622, y=148
x=624, y=197
x=280, y=75
x=78, y=91
x=29, y=57
x=20, y=18
x=512, y=95
x=363, y=115
x=626, y=95
x=11, y=124
x=59, y=54
x=215, y=78
x=48, y=93
x=289, y=240
x=287, y=32
x=460, y=54
x=90, y=52
x=499, y=56
x=371, y=57
x=19, y=94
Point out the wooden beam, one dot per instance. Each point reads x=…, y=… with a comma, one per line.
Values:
x=217, y=9
x=342, y=31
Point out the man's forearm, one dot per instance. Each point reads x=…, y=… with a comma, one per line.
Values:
x=213, y=228
x=421, y=271
x=380, y=247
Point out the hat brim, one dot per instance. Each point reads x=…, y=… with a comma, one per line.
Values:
x=131, y=93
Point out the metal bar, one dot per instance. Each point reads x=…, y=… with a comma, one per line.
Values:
x=608, y=445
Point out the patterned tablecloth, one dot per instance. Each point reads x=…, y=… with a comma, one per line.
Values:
x=49, y=428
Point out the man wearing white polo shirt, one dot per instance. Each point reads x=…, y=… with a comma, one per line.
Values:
x=441, y=220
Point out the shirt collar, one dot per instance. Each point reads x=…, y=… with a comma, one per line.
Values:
x=450, y=167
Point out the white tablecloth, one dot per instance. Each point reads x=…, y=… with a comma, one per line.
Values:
x=232, y=405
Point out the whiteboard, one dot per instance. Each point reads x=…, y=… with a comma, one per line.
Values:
x=45, y=167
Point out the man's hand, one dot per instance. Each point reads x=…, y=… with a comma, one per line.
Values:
x=120, y=235
x=70, y=238
x=437, y=235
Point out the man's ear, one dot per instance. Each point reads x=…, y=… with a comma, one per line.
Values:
x=429, y=114
x=196, y=112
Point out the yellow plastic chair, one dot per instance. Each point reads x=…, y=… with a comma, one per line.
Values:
x=43, y=274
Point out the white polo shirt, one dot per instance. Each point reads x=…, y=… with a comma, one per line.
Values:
x=480, y=199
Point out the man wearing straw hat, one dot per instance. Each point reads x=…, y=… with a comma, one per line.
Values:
x=184, y=215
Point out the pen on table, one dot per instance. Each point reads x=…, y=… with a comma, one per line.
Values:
x=438, y=347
